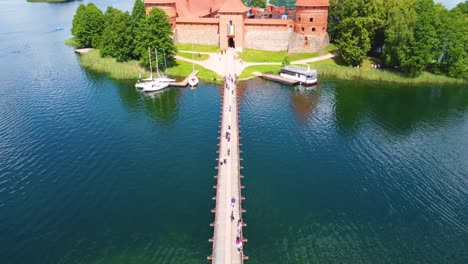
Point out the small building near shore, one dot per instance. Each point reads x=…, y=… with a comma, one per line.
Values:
x=229, y=23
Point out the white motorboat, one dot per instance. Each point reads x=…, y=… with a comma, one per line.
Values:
x=193, y=81
x=305, y=76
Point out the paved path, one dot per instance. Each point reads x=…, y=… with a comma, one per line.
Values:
x=217, y=62
x=228, y=186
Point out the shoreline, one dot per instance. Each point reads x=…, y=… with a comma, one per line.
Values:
x=130, y=70
x=325, y=68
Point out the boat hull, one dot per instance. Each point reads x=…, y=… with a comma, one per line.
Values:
x=300, y=79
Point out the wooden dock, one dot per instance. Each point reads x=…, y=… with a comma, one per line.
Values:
x=277, y=78
x=83, y=51
x=183, y=83
x=228, y=186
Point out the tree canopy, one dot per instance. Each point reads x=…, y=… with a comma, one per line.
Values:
x=123, y=36
x=117, y=37
x=155, y=32
x=412, y=35
x=87, y=25
x=138, y=11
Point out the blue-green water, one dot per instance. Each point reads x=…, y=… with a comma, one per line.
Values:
x=91, y=171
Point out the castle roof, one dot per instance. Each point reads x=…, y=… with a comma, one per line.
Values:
x=307, y=3
x=192, y=8
x=197, y=8
x=233, y=6
x=160, y=1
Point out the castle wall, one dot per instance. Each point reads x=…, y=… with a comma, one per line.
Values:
x=198, y=31
x=307, y=43
x=267, y=34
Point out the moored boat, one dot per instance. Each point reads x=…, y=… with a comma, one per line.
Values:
x=304, y=75
x=193, y=81
x=154, y=86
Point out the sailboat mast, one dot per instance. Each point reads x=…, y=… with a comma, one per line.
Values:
x=151, y=68
x=165, y=64
x=157, y=62
x=193, y=65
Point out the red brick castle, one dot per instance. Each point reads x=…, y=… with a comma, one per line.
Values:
x=229, y=23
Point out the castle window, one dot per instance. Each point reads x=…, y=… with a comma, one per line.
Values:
x=311, y=19
x=302, y=29
x=313, y=29
x=299, y=19
x=323, y=28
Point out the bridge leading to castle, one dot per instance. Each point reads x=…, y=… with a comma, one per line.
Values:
x=228, y=238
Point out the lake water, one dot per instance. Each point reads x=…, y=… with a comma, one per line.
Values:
x=91, y=171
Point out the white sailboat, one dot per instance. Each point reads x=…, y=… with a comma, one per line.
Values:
x=156, y=84
x=142, y=83
x=165, y=78
x=193, y=81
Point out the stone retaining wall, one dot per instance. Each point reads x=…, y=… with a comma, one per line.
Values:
x=207, y=35
x=267, y=39
x=307, y=43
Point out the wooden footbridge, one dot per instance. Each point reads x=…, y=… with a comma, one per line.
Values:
x=228, y=240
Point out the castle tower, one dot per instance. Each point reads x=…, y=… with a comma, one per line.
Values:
x=231, y=24
x=169, y=7
x=310, y=27
x=311, y=17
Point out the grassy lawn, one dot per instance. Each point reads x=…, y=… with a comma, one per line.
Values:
x=198, y=57
x=248, y=72
x=197, y=47
x=250, y=55
x=183, y=69
x=131, y=69
x=331, y=68
x=72, y=42
x=332, y=48
x=118, y=70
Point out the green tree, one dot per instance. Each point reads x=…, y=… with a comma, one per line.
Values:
x=354, y=42
x=78, y=21
x=87, y=25
x=117, y=37
x=138, y=11
x=421, y=51
x=155, y=32
x=354, y=24
x=457, y=42
x=256, y=3
x=399, y=33
x=286, y=61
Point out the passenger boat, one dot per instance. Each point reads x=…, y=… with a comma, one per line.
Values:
x=304, y=75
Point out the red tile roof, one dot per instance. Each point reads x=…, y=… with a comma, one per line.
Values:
x=312, y=3
x=233, y=6
x=160, y=1
x=197, y=8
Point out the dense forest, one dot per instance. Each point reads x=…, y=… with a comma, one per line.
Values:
x=407, y=35
x=122, y=35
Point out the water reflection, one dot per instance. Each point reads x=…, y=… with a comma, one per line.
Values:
x=304, y=101
x=163, y=106
x=397, y=109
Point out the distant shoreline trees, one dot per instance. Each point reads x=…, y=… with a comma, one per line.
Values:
x=410, y=35
x=125, y=36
